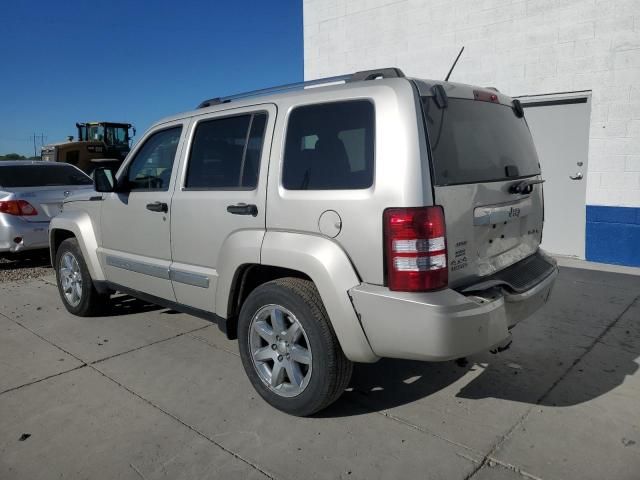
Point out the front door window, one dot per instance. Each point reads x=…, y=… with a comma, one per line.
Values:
x=151, y=168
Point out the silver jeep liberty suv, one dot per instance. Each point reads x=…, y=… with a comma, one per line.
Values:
x=336, y=221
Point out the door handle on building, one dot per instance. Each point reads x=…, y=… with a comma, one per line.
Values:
x=577, y=176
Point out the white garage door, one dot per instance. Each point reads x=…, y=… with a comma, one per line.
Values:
x=560, y=129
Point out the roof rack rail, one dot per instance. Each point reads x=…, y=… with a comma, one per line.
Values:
x=354, y=77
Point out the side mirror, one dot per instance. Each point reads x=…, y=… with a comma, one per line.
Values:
x=103, y=180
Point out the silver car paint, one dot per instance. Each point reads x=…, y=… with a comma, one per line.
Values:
x=47, y=200
x=33, y=234
x=397, y=167
x=442, y=325
x=82, y=219
x=143, y=240
x=345, y=269
x=327, y=264
x=220, y=236
x=484, y=248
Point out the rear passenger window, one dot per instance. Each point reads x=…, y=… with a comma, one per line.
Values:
x=225, y=153
x=330, y=146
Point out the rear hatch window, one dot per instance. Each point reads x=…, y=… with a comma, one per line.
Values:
x=20, y=176
x=475, y=141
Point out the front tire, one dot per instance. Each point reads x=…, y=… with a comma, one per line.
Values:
x=75, y=285
x=288, y=348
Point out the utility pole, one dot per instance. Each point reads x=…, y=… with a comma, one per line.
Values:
x=34, y=144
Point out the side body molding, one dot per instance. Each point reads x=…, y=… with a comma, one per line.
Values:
x=330, y=269
x=79, y=223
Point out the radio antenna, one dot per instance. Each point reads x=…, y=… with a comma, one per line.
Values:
x=446, y=79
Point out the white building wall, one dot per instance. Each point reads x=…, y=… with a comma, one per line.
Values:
x=521, y=47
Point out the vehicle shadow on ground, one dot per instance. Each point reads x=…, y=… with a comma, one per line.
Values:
x=29, y=259
x=392, y=383
x=122, y=304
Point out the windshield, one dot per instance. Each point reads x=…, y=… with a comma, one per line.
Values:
x=116, y=136
x=96, y=133
x=41, y=175
x=474, y=142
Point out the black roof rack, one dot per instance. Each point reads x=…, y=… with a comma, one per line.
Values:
x=375, y=74
x=212, y=101
x=354, y=77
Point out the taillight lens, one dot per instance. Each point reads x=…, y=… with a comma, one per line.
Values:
x=415, y=249
x=20, y=208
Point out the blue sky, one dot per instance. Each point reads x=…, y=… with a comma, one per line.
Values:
x=68, y=61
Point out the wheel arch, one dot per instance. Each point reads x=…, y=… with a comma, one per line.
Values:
x=247, y=278
x=56, y=237
x=76, y=225
x=286, y=254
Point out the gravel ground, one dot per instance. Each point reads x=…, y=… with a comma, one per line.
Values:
x=25, y=266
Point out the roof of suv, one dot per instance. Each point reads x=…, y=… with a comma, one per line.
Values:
x=386, y=76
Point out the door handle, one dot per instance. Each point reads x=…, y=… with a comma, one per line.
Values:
x=577, y=176
x=158, y=207
x=243, y=209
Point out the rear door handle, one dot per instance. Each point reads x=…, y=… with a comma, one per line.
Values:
x=577, y=176
x=158, y=207
x=243, y=209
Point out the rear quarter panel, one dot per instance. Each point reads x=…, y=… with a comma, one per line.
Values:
x=324, y=261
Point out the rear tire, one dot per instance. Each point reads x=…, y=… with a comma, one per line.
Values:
x=311, y=369
x=75, y=285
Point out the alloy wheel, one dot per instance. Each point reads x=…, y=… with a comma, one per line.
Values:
x=280, y=350
x=71, y=279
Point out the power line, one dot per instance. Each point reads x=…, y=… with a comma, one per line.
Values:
x=41, y=138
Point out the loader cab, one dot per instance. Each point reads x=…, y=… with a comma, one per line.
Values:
x=112, y=134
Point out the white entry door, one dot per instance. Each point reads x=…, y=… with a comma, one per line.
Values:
x=560, y=129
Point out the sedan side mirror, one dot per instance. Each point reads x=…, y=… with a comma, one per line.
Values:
x=103, y=180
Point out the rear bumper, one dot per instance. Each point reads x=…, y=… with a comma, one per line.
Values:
x=30, y=235
x=443, y=325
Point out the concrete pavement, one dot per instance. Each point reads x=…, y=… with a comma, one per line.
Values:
x=148, y=393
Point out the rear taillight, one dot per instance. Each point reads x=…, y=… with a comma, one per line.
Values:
x=20, y=208
x=415, y=249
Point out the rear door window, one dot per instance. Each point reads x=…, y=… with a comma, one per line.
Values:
x=330, y=146
x=16, y=176
x=226, y=153
x=474, y=142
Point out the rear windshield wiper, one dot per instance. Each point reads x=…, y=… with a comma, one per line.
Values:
x=524, y=186
x=440, y=96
